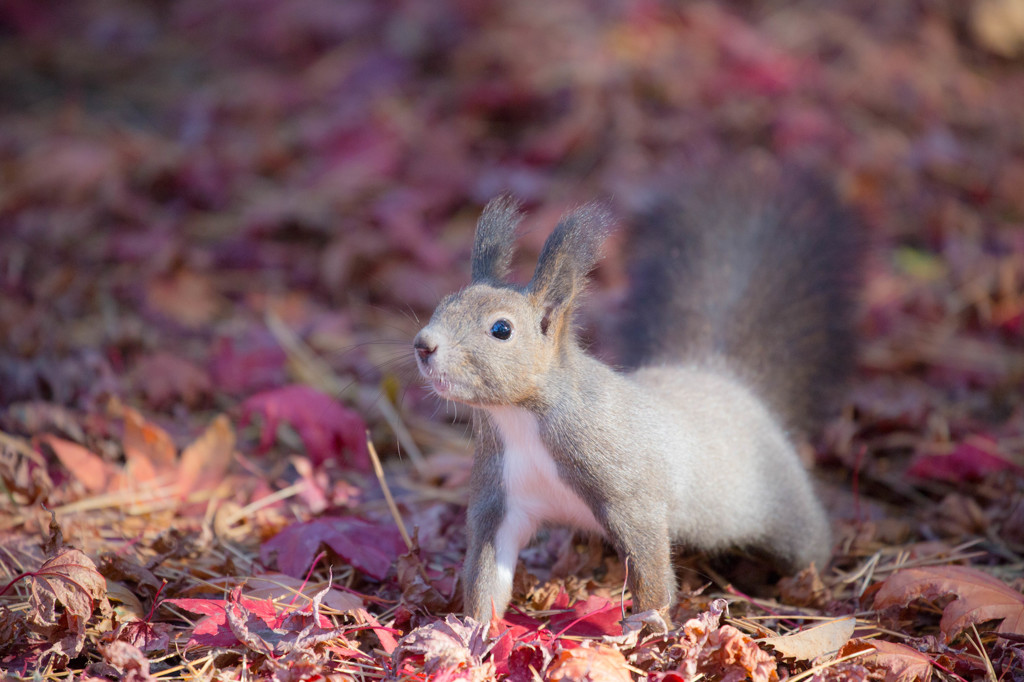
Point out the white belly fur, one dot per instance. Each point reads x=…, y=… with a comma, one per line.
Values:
x=534, y=494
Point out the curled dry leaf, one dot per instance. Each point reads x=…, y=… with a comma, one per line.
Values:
x=446, y=645
x=128, y=660
x=821, y=640
x=592, y=662
x=731, y=655
x=980, y=597
x=62, y=595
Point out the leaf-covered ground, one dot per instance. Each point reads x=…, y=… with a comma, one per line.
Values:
x=220, y=223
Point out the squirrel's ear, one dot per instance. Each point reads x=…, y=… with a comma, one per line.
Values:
x=568, y=255
x=494, y=241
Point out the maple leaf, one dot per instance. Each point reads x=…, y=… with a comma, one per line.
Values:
x=899, y=662
x=447, y=645
x=594, y=617
x=368, y=546
x=213, y=630
x=326, y=428
x=590, y=661
x=980, y=597
x=62, y=595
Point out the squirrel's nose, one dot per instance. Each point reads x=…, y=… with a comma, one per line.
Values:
x=424, y=346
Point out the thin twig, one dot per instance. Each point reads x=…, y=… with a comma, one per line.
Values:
x=379, y=470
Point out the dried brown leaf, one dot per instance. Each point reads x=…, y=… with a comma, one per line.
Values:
x=821, y=640
x=980, y=597
x=452, y=643
x=62, y=595
x=128, y=660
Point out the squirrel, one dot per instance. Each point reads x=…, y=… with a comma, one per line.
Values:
x=738, y=327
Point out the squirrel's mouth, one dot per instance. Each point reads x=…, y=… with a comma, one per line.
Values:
x=441, y=385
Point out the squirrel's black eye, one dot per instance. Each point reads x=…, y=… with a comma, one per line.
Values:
x=502, y=329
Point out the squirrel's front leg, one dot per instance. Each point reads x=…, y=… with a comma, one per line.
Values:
x=496, y=534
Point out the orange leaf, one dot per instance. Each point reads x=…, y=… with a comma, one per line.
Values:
x=595, y=663
x=90, y=469
x=900, y=662
x=148, y=449
x=205, y=461
x=980, y=597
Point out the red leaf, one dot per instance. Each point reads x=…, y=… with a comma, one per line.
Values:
x=213, y=630
x=327, y=429
x=365, y=545
x=594, y=617
x=238, y=371
x=972, y=460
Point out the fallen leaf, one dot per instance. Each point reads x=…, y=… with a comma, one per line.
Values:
x=327, y=428
x=204, y=462
x=971, y=460
x=589, y=661
x=733, y=655
x=128, y=660
x=368, y=546
x=385, y=635
x=980, y=597
x=594, y=617
x=165, y=379
x=280, y=587
x=819, y=641
x=95, y=473
x=148, y=449
x=805, y=589
x=187, y=297
x=449, y=644
x=63, y=593
x=899, y=662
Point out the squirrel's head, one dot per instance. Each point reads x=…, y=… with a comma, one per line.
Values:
x=494, y=343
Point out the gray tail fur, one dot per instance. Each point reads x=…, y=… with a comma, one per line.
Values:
x=756, y=273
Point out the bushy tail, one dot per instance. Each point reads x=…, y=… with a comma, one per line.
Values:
x=755, y=272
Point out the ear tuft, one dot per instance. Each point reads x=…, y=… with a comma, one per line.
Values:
x=569, y=254
x=495, y=238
